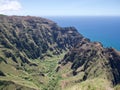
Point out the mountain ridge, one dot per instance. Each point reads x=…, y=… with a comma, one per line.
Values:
x=39, y=54
x=92, y=60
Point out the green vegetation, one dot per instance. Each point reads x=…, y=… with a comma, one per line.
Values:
x=2, y=15
x=40, y=77
x=94, y=84
x=37, y=54
x=117, y=87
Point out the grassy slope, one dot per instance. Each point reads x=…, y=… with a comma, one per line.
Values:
x=44, y=77
x=94, y=84
x=39, y=77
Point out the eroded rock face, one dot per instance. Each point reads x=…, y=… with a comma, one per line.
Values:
x=35, y=36
x=24, y=37
x=94, y=60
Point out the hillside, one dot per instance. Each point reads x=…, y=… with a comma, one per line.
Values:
x=37, y=54
x=26, y=41
x=34, y=35
x=91, y=62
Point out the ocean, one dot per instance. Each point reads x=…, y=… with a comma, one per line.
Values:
x=97, y=28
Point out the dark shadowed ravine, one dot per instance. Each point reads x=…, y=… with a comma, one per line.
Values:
x=37, y=54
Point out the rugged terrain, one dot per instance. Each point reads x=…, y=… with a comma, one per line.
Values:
x=37, y=54
x=91, y=62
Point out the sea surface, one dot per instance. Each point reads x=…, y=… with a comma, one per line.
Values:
x=97, y=28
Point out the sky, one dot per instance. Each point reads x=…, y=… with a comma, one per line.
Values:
x=60, y=7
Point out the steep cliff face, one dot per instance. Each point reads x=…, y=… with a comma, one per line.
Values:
x=91, y=60
x=34, y=35
x=30, y=50
x=24, y=39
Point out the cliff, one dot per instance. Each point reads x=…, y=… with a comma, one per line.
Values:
x=90, y=60
x=37, y=54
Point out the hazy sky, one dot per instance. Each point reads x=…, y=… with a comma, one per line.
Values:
x=60, y=7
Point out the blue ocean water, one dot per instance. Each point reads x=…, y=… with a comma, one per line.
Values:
x=102, y=29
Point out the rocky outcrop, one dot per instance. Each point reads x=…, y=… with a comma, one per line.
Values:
x=35, y=36
x=26, y=38
x=94, y=60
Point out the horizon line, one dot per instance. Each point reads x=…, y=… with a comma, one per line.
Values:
x=65, y=15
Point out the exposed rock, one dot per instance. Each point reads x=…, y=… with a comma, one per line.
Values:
x=2, y=74
x=26, y=38
x=94, y=60
x=35, y=36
